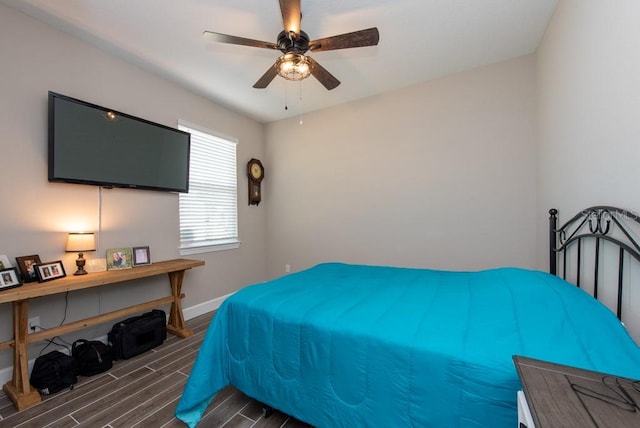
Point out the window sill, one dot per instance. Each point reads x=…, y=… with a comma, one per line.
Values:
x=187, y=251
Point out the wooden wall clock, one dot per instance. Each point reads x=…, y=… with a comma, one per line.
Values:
x=255, y=172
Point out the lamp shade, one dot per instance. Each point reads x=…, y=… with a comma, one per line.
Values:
x=78, y=242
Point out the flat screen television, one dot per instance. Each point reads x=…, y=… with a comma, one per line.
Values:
x=90, y=144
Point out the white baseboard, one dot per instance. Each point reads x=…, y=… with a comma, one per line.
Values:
x=6, y=373
x=204, y=307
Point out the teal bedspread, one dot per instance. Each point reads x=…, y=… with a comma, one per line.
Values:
x=366, y=346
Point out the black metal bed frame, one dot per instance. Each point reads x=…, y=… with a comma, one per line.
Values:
x=603, y=225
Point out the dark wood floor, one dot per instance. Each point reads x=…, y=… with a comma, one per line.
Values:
x=143, y=392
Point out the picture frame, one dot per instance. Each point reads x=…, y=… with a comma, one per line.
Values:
x=119, y=258
x=9, y=278
x=26, y=266
x=50, y=271
x=141, y=256
x=4, y=262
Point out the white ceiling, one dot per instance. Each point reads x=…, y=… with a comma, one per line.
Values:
x=420, y=40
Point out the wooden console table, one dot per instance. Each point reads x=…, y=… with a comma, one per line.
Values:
x=19, y=389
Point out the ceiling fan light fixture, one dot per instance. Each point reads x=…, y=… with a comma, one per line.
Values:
x=293, y=66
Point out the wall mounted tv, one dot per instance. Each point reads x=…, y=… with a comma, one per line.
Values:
x=90, y=144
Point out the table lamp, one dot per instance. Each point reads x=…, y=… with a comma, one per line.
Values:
x=79, y=243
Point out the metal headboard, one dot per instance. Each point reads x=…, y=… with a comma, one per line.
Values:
x=605, y=226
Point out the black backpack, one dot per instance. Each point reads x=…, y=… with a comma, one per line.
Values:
x=91, y=357
x=53, y=372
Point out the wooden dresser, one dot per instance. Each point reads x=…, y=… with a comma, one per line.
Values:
x=558, y=396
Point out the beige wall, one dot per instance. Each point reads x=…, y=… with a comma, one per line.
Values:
x=438, y=175
x=589, y=104
x=36, y=214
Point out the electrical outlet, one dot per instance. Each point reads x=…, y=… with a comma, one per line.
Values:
x=287, y=268
x=34, y=323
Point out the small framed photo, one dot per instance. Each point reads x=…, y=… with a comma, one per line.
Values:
x=9, y=278
x=50, y=270
x=26, y=265
x=119, y=258
x=4, y=262
x=141, y=256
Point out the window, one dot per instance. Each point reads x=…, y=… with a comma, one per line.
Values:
x=209, y=212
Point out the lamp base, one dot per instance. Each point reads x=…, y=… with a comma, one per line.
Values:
x=80, y=262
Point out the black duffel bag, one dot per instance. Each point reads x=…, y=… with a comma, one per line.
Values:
x=53, y=372
x=91, y=357
x=136, y=335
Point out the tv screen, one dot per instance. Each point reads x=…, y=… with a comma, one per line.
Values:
x=90, y=144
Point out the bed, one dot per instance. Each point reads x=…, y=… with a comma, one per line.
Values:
x=374, y=346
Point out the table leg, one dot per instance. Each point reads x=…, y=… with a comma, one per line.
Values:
x=176, y=324
x=19, y=389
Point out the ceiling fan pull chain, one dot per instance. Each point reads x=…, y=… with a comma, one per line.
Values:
x=286, y=98
x=301, y=102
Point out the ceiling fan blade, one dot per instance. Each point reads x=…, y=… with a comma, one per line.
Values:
x=319, y=72
x=234, y=40
x=291, y=16
x=357, y=39
x=267, y=77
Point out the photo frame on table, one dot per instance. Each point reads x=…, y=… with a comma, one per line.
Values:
x=141, y=256
x=119, y=258
x=50, y=271
x=4, y=262
x=9, y=278
x=26, y=266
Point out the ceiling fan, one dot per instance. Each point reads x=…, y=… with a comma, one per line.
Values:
x=293, y=64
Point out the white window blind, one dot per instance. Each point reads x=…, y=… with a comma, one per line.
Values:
x=209, y=212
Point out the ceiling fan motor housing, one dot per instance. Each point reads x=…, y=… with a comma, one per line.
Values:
x=288, y=43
